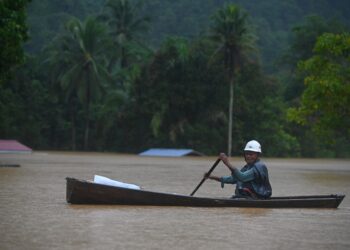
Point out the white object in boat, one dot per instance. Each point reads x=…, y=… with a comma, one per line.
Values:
x=106, y=181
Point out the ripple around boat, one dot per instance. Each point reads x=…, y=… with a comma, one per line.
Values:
x=85, y=192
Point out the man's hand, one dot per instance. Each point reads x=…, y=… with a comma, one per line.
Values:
x=225, y=160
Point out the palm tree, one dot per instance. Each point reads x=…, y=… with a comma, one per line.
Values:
x=231, y=32
x=173, y=56
x=80, y=60
x=125, y=28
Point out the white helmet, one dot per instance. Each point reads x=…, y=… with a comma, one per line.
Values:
x=253, y=146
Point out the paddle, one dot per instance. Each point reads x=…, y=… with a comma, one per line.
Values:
x=209, y=172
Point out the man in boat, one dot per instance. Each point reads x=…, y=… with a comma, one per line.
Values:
x=252, y=181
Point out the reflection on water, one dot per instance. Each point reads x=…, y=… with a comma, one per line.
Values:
x=35, y=215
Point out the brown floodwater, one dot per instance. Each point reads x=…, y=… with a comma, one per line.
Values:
x=34, y=213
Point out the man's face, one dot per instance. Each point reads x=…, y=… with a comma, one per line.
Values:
x=250, y=156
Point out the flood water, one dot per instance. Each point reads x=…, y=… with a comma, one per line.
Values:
x=34, y=213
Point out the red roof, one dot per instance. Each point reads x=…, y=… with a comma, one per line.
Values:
x=13, y=146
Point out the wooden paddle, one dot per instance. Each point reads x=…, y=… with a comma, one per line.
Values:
x=209, y=172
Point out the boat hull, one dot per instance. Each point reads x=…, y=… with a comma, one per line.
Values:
x=84, y=192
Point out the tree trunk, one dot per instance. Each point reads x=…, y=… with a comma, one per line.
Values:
x=73, y=119
x=86, y=136
x=123, y=59
x=87, y=124
x=230, y=119
x=74, y=147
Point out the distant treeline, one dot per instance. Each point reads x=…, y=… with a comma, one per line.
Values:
x=273, y=20
x=124, y=76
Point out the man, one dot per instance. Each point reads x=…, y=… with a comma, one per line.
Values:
x=252, y=181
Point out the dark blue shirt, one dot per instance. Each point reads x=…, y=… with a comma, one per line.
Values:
x=254, y=177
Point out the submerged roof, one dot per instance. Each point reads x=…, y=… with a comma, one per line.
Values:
x=13, y=146
x=169, y=152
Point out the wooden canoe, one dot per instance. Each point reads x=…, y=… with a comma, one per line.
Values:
x=84, y=192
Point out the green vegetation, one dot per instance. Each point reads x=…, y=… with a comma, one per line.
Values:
x=124, y=75
x=325, y=103
x=80, y=68
x=230, y=32
x=13, y=32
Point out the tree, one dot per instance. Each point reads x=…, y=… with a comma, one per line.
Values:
x=81, y=65
x=325, y=103
x=303, y=40
x=231, y=33
x=177, y=99
x=13, y=33
x=125, y=28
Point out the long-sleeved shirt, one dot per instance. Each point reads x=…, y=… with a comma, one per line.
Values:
x=238, y=176
x=253, y=177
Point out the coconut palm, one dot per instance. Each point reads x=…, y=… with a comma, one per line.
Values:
x=125, y=28
x=80, y=60
x=230, y=31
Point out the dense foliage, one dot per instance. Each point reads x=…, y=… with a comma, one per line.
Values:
x=13, y=33
x=124, y=75
x=325, y=103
